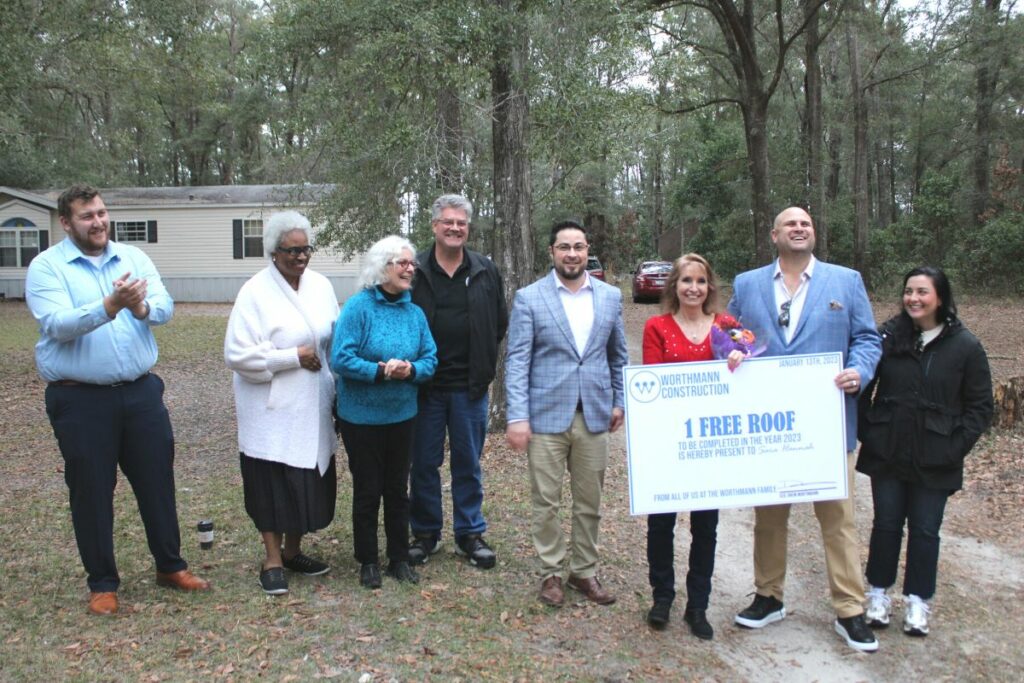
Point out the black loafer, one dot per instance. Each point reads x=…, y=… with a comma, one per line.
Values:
x=658, y=616
x=401, y=571
x=273, y=582
x=369, y=575
x=697, y=620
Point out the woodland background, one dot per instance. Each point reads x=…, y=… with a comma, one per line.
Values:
x=898, y=124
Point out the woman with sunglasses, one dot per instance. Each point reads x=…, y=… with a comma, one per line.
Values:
x=382, y=350
x=278, y=341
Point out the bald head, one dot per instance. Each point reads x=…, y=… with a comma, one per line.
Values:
x=793, y=232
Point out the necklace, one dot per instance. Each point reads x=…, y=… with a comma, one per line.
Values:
x=695, y=331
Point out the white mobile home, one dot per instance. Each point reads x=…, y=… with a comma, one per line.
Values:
x=205, y=241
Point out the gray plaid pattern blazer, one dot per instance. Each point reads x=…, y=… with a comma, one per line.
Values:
x=545, y=376
x=836, y=317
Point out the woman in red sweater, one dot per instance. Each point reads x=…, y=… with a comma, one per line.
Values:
x=683, y=334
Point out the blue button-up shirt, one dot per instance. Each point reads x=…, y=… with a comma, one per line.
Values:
x=77, y=339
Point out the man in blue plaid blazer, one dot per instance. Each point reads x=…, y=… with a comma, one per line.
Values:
x=563, y=377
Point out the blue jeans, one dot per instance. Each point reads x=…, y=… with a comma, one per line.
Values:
x=896, y=502
x=465, y=422
x=660, y=546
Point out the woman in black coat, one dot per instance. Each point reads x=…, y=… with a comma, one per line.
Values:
x=919, y=418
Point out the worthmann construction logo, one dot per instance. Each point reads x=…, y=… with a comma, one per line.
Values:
x=645, y=386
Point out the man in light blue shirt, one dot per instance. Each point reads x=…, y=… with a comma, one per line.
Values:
x=95, y=301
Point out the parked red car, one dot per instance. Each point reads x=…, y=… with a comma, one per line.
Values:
x=649, y=280
x=595, y=268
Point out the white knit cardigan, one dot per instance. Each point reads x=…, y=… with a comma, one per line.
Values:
x=284, y=411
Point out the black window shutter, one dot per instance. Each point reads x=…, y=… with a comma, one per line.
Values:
x=113, y=231
x=236, y=226
x=44, y=240
x=151, y=231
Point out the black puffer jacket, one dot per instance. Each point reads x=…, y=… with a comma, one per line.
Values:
x=923, y=412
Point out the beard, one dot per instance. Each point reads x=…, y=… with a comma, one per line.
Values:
x=566, y=274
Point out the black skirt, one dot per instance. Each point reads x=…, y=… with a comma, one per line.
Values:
x=284, y=499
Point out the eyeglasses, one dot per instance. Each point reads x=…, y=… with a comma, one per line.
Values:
x=566, y=248
x=296, y=251
x=404, y=263
x=451, y=222
x=784, y=314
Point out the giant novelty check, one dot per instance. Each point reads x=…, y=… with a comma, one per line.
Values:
x=700, y=437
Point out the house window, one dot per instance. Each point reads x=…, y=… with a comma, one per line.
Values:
x=130, y=231
x=252, y=230
x=134, y=231
x=20, y=242
x=248, y=237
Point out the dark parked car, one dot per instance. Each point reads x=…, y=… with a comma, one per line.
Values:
x=649, y=280
x=595, y=268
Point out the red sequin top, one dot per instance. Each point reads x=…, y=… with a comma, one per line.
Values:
x=664, y=342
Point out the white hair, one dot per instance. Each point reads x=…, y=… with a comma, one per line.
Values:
x=375, y=262
x=279, y=225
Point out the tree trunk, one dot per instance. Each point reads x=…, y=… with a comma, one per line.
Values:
x=449, y=124
x=755, y=118
x=513, y=233
x=859, y=182
x=814, y=130
x=986, y=77
x=1008, y=397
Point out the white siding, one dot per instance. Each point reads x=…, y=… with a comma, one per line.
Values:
x=12, y=280
x=194, y=252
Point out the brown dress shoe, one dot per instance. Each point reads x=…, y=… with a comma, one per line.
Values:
x=182, y=580
x=591, y=588
x=551, y=591
x=103, y=604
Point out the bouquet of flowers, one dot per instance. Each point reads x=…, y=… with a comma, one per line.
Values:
x=727, y=335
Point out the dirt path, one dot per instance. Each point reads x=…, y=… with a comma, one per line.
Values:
x=976, y=617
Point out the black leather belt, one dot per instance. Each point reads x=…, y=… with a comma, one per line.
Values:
x=74, y=383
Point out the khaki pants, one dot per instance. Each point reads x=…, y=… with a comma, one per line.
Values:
x=842, y=549
x=585, y=455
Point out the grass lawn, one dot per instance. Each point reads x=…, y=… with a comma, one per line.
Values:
x=458, y=623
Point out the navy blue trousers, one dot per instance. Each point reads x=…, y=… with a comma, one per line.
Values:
x=660, y=552
x=465, y=423
x=98, y=429
x=897, y=502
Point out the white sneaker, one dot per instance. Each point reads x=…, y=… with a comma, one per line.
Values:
x=878, y=608
x=915, y=622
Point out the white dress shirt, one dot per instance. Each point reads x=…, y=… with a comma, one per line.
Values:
x=796, y=299
x=579, y=309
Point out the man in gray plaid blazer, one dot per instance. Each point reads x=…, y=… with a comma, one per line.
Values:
x=563, y=378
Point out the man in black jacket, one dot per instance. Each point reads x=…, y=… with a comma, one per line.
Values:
x=462, y=295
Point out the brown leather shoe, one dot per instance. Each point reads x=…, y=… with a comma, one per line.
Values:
x=591, y=588
x=182, y=580
x=103, y=604
x=551, y=591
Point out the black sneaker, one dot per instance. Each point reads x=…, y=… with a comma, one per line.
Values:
x=401, y=571
x=765, y=609
x=369, y=575
x=475, y=548
x=697, y=620
x=272, y=581
x=421, y=548
x=855, y=631
x=303, y=564
x=657, y=617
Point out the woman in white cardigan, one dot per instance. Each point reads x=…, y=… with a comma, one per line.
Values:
x=278, y=344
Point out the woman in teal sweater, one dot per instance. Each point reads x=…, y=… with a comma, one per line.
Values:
x=382, y=349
